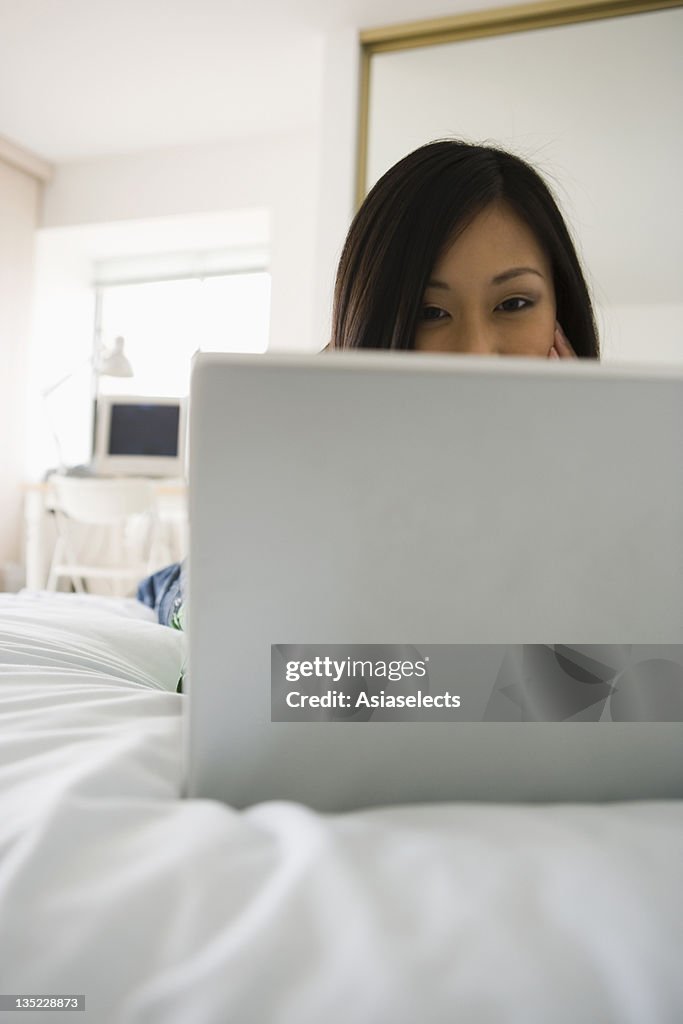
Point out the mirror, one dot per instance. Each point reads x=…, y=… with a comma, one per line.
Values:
x=591, y=94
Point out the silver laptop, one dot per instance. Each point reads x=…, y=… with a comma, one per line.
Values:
x=512, y=526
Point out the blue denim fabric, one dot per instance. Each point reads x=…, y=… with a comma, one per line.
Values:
x=164, y=592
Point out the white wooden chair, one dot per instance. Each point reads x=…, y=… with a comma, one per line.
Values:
x=107, y=529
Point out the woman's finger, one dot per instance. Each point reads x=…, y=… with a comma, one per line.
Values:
x=562, y=346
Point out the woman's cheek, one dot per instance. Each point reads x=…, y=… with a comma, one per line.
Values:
x=529, y=339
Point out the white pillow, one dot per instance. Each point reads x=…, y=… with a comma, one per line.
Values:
x=91, y=638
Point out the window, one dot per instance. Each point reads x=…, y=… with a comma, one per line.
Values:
x=165, y=321
x=167, y=285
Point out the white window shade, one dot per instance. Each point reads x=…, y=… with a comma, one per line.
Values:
x=166, y=320
x=169, y=266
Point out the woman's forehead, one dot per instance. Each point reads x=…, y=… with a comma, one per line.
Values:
x=496, y=234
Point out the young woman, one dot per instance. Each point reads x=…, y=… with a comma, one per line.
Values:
x=462, y=248
x=458, y=248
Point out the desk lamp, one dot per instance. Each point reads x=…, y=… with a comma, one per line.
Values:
x=113, y=363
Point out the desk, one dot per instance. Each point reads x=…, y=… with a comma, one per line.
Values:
x=40, y=533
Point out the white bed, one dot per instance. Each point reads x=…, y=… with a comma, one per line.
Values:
x=163, y=911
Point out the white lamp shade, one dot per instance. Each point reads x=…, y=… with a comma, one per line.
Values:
x=115, y=363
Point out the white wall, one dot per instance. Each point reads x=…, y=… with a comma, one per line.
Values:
x=639, y=333
x=19, y=202
x=280, y=174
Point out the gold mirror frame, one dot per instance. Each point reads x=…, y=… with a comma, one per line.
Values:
x=476, y=25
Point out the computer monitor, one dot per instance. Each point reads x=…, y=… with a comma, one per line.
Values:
x=139, y=435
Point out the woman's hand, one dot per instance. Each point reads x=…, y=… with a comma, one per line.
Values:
x=561, y=349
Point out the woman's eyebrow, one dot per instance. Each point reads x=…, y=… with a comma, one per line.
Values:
x=506, y=275
x=514, y=272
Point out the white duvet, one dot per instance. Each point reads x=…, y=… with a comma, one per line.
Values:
x=164, y=911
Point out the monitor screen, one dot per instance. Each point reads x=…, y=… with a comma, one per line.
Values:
x=140, y=435
x=144, y=429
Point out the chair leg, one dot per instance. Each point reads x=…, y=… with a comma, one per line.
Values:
x=78, y=584
x=57, y=557
x=52, y=580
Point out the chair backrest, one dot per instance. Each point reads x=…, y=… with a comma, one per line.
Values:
x=103, y=501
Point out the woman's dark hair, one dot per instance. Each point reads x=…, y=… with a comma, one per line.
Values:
x=414, y=212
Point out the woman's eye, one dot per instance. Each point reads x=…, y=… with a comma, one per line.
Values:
x=433, y=313
x=514, y=305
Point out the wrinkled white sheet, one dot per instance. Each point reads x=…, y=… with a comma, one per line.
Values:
x=163, y=911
